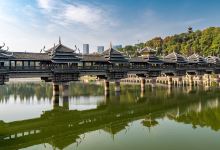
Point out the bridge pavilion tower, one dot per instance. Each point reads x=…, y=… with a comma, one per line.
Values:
x=197, y=67
x=64, y=67
x=146, y=65
x=4, y=64
x=175, y=65
x=117, y=67
x=64, y=63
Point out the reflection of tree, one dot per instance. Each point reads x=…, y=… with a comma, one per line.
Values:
x=149, y=121
x=61, y=127
x=26, y=91
x=45, y=91
x=207, y=118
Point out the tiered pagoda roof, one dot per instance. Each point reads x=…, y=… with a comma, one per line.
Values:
x=148, y=56
x=147, y=51
x=109, y=56
x=213, y=60
x=62, y=54
x=113, y=56
x=175, y=58
x=195, y=58
x=4, y=54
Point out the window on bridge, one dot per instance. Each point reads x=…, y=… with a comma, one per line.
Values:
x=88, y=64
x=19, y=63
x=1, y=64
x=32, y=64
x=26, y=64
x=37, y=63
x=12, y=63
x=6, y=63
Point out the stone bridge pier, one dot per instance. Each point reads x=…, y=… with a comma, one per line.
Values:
x=143, y=82
x=62, y=88
x=107, y=86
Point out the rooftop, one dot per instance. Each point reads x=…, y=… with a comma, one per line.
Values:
x=175, y=58
x=31, y=56
x=213, y=60
x=195, y=58
x=114, y=56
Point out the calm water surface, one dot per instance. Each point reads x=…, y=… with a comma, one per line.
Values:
x=84, y=118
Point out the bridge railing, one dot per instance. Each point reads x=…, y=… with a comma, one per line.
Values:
x=93, y=68
x=103, y=68
x=29, y=68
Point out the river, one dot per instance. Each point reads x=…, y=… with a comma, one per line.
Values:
x=31, y=118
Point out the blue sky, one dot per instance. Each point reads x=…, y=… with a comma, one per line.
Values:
x=28, y=25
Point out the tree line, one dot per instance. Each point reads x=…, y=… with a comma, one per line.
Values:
x=204, y=42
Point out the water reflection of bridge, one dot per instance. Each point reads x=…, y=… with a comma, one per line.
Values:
x=61, y=127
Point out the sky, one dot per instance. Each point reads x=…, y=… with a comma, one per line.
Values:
x=29, y=25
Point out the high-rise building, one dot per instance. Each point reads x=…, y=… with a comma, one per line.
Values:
x=85, y=48
x=117, y=47
x=100, y=49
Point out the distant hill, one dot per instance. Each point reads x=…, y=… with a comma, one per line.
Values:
x=205, y=42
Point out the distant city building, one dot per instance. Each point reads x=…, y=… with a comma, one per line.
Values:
x=117, y=46
x=85, y=48
x=100, y=49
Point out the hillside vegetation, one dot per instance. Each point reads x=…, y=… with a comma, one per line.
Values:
x=205, y=42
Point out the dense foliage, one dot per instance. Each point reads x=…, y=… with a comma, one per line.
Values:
x=205, y=42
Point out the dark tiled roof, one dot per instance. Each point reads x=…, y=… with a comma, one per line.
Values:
x=175, y=58
x=30, y=56
x=147, y=50
x=147, y=59
x=94, y=57
x=62, y=54
x=5, y=54
x=114, y=56
x=59, y=48
x=213, y=60
x=195, y=58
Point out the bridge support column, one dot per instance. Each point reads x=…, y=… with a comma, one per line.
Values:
x=117, y=86
x=55, y=89
x=169, y=81
x=65, y=94
x=143, y=81
x=190, y=80
x=200, y=81
x=55, y=94
x=180, y=81
x=106, y=87
x=106, y=84
x=153, y=82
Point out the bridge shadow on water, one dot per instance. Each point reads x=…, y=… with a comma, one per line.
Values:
x=63, y=126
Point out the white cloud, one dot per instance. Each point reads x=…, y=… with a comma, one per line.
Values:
x=45, y=4
x=83, y=14
x=75, y=13
x=97, y=24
